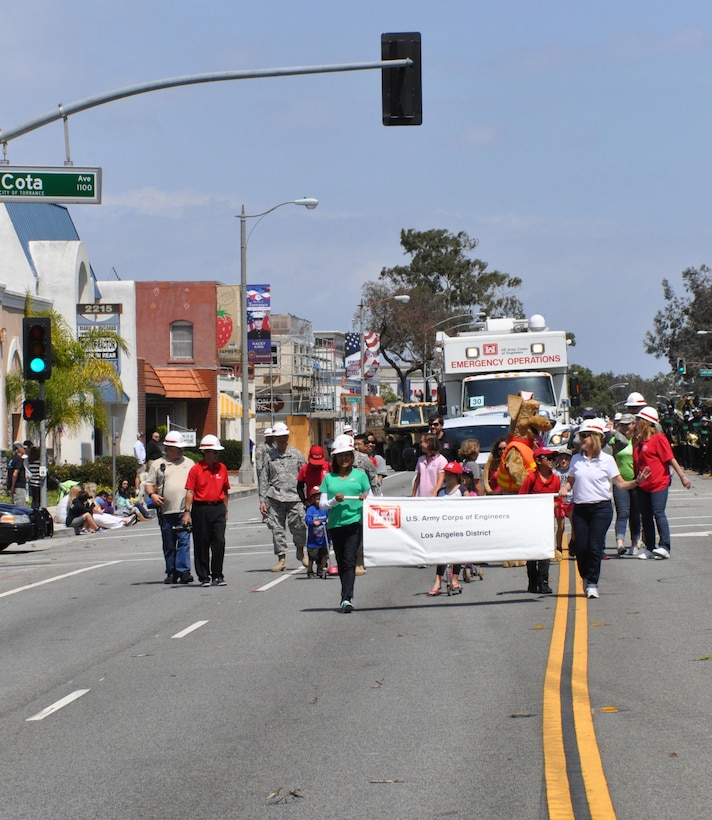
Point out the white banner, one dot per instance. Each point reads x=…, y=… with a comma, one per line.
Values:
x=407, y=532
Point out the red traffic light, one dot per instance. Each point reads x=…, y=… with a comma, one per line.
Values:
x=33, y=410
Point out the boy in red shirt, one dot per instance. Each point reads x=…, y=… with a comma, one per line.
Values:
x=541, y=480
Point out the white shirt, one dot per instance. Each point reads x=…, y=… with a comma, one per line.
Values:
x=592, y=477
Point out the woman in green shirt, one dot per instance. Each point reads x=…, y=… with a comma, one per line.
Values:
x=342, y=493
x=626, y=501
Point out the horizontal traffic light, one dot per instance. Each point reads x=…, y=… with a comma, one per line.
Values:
x=37, y=348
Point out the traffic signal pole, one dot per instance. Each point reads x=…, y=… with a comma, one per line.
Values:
x=64, y=111
x=43, y=452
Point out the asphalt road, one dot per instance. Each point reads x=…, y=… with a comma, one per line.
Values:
x=124, y=698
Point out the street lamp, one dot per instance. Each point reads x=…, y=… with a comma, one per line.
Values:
x=401, y=297
x=246, y=474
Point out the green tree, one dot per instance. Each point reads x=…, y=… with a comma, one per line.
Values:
x=73, y=391
x=447, y=287
x=675, y=327
x=442, y=267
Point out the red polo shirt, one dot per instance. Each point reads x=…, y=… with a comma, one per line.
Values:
x=208, y=483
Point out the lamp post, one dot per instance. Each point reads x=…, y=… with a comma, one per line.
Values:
x=246, y=474
x=401, y=297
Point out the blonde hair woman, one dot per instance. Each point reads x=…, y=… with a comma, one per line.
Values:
x=589, y=477
x=652, y=451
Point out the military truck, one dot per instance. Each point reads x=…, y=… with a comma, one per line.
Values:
x=398, y=430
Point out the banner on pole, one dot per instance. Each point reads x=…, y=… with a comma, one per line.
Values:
x=408, y=532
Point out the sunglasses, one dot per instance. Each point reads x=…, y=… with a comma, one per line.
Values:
x=545, y=458
x=584, y=435
x=436, y=424
x=502, y=449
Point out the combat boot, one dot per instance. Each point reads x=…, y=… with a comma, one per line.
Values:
x=281, y=564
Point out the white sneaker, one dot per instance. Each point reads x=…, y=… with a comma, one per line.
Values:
x=592, y=592
x=661, y=552
x=632, y=550
x=645, y=554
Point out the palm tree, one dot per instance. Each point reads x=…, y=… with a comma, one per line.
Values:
x=73, y=391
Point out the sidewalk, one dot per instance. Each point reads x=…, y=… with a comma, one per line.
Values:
x=239, y=491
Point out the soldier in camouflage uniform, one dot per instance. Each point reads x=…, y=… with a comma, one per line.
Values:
x=279, y=499
x=262, y=450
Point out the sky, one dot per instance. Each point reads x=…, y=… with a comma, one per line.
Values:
x=570, y=139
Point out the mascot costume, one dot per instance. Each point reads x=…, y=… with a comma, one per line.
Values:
x=525, y=429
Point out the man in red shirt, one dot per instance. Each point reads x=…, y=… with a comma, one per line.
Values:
x=206, y=497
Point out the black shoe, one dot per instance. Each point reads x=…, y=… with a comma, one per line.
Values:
x=186, y=578
x=205, y=582
x=169, y=579
x=545, y=589
x=533, y=589
x=219, y=582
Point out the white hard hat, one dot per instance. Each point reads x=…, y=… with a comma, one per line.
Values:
x=280, y=429
x=174, y=439
x=210, y=442
x=635, y=400
x=593, y=426
x=649, y=414
x=342, y=444
x=268, y=432
x=348, y=428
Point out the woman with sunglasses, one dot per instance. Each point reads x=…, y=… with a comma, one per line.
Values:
x=489, y=474
x=589, y=478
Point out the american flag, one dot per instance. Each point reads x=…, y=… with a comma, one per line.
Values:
x=352, y=354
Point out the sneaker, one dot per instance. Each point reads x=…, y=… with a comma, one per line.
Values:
x=632, y=551
x=591, y=592
x=219, y=582
x=186, y=578
x=545, y=589
x=168, y=579
x=621, y=550
x=645, y=554
x=661, y=552
x=205, y=582
x=347, y=606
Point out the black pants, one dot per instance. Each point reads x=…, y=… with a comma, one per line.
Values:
x=346, y=541
x=208, y=539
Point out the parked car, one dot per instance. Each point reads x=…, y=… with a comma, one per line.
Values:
x=21, y=524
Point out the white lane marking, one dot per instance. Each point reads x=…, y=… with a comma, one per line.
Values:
x=691, y=534
x=279, y=580
x=56, y=578
x=60, y=704
x=189, y=629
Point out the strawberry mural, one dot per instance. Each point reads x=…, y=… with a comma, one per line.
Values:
x=224, y=328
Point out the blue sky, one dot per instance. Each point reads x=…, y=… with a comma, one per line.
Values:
x=571, y=139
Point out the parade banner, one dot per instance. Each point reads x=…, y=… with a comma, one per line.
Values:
x=409, y=532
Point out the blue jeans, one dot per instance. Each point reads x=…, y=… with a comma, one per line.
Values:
x=652, y=514
x=627, y=512
x=591, y=523
x=176, y=545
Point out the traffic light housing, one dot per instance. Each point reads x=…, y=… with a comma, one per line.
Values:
x=37, y=348
x=33, y=410
x=402, y=88
x=574, y=391
x=681, y=366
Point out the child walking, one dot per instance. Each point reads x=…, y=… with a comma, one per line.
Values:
x=317, y=536
x=451, y=489
x=541, y=480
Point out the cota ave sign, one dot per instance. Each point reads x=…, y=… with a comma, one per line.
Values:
x=60, y=185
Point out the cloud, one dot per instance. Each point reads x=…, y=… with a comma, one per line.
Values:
x=629, y=47
x=172, y=204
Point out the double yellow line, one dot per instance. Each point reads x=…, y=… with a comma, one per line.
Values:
x=559, y=713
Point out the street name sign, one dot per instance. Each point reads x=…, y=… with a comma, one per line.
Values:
x=706, y=374
x=65, y=186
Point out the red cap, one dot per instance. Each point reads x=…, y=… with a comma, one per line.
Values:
x=544, y=451
x=316, y=455
x=453, y=467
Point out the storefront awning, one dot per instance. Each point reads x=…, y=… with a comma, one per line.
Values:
x=230, y=408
